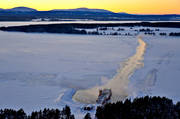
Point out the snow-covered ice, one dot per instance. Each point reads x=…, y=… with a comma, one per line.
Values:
x=119, y=83
x=45, y=70
x=161, y=71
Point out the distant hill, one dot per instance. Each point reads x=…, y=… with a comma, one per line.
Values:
x=26, y=9
x=30, y=14
x=20, y=9
x=84, y=10
x=123, y=13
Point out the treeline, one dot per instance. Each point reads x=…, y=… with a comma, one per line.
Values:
x=170, y=34
x=73, y=28
x=42, y=114
x=174, y=34
x=68, y=29
x=140, y=108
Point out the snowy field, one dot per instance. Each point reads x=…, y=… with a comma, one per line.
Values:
x=45, y=70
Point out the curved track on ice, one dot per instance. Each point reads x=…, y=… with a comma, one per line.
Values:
x=119, y=83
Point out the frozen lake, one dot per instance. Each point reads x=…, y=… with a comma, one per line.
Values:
x=62, y=22
x=45, y=70
x=36, y=69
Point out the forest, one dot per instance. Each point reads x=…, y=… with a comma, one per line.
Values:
x=139, y=108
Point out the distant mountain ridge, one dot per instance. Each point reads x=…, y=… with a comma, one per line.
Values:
x=84, y=10
x=27, y=9
x=23, y=9
x=20, y=9
x=30, y=14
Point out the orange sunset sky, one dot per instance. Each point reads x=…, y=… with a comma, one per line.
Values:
x=128, y=6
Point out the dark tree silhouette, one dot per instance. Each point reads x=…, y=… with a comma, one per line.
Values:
x=87, y=116
x=140, y=108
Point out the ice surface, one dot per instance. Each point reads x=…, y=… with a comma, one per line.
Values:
x=160, y=74
x=119, y=84
x=45, y=70
x=60, y=22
